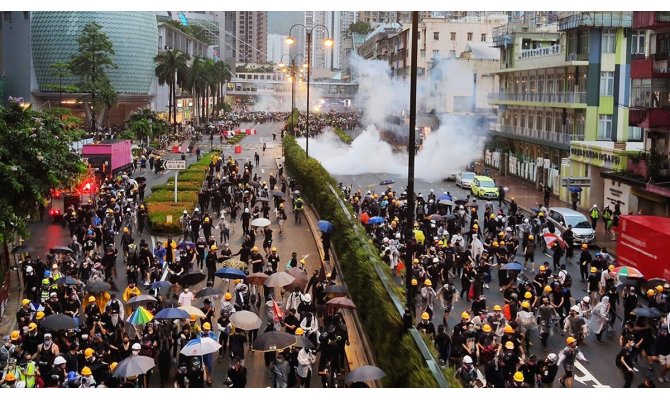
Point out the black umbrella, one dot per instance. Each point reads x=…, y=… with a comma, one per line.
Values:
x=649, y=312
x=61, y=250
x=653, y=282
x=141, y=179
x=365, y=373
x=436, y=217
x=471, y=204
x=57, y=322
x=68, y=281
x=192, y=278
x=303, y=342
x=277, y=193
x=386, y=182
x=208, y=291
x=22, y=249
x=274, y=341
x=336, y=289
x=97, y=286
x=254, y=184
x=265, y=199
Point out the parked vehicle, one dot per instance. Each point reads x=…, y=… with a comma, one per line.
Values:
x=464, y=179
x=643, y=244
x=484, y=187
x=109, y=157
x=561, y=217
x=62, y=199
x=451, y=176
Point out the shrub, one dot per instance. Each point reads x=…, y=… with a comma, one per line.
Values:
x=344, y=137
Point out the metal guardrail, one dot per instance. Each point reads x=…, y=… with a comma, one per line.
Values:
x=430, y=361
x=544, y=97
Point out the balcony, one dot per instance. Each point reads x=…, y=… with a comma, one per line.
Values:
x=649, y=118
x=650, y=68
x=651, y=20
x=550, y=138
x=574, y=98
x=598, y=19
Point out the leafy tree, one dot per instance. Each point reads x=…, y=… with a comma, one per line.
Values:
x=62, y=69
x=362, y=27
x=35, y=157
x=171, y=69
x=107, y=99
x=89, y=64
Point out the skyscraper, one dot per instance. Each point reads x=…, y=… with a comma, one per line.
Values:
x=337, y=23
x=246, y=36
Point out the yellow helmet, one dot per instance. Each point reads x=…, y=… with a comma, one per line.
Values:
x=125, y=230
x=228, y=296
x=425, y=316
x=206, y=219
x=475, y=226
x=91, y=299
x=299, y=332
x=651, y=292
x=492, y=215
x=465, y=315
x=427, y=282
x=525, y=304
x=518, y=376
x=528, y=295
x=414, y=282
x=594, y=270
x=255, y=248
x=86, y=371
x=508, y=329
x=207, y=326
x=543, y=268
x=32, y=326
x=274, y=249
x=88, y=352
x=15, y=335
x=502, y=242
x=531, y=237
x=25, y=302
x=509, y=345
x=540, y=214
x=213, y=247
x=495, y=244
x=39, y=315
x=547, y=288
x=501, y=234
x=585, y=246
x=112, y=366
x=486, y=328
x=659, y=288
x=497, y=308
x=415, y=261
x=611, y=268
x=570, y=340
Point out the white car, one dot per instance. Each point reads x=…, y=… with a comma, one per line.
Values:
x=464, y=179
x=451, y=176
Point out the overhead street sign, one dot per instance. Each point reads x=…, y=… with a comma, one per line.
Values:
x=580, y=182
x=175, y=164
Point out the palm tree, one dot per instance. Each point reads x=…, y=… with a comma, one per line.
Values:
x=197, y=82
x=221, y=74
x=171, y=70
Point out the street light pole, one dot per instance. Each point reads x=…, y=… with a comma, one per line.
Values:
x=309, y=72
x=293, y=98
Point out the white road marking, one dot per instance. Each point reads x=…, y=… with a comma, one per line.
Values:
x=588, y=377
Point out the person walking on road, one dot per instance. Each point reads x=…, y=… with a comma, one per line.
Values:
x=594, y=212
x=600, y=317
x=567, y=357
x=624, y=361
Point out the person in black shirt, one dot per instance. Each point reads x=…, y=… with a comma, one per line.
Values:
x=584, y=262
x=624, y=362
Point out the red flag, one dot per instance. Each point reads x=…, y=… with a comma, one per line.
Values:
x=279, y=315
x=399, y=267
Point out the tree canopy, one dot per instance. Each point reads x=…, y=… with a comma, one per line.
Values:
x=361, y=27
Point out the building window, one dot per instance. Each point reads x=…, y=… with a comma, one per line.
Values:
x=436, y=52
x=607, y=83
x=637, y=42
x=605, y=127
x=608, y=45
x=634, y=133
x=452, y=53
x=453, y=36
x=436, y=35
x=469, y=36
x=422, y=53
x=483, y=37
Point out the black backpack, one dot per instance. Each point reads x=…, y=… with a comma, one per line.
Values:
x=567, y=282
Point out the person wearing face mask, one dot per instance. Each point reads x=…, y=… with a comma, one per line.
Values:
x=131, y=291
x=87, y=380
x=185, y=298
x=7, y=351
x=46, y=354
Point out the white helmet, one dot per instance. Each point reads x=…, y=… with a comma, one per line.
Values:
x=508, y=229
x=552, y=357
x=595, y=206
x=196, y=209
x=246, y=210
x=59, y=360
x=574, y=308
x=525, y=221
x=586, y=299
x=436, y=260
x=467, y=360
x=29, y=269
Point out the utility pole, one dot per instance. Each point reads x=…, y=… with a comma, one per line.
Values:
x=411, y=150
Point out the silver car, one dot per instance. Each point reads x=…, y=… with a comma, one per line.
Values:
x=464, y=179
x=561, y=217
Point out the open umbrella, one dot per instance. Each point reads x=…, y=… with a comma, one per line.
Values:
x=192, y=278
x=193, y=311
x=172, y=313
x=200, y=346
x=628, y=272
x=365, y=373
x=341, y=302
x=336, y=289
x=97, y=286
x=444, y=196
x=471, y=204
x=436, y=217
x=551, y=238
x=260, y=222
x=364, y=218
x=61, y=250
x=653, y=282
x=245, y=320
x=143, y=298
x=513, y=266
x=387, y=182
x=133, y=366
x=300, y=278
x=277, y=193
x=140, y=316
x=648, y=312
x=186, y=245
x=263, y=199
x=376, y=220
x=233, y=263
x=68, y=281
x=279, y=279
x=57, y=322
x=302, y=341
x=230, y=273
x=273, y=341
x=257, y=278
x=446, y=202
x=208, y=291
x=254, y=184
x=325, y=226
x=160, y=285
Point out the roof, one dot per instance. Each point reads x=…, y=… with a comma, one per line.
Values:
x=482, y=51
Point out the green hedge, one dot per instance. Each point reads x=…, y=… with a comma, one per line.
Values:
x=395, y=351
x=344, y=137
x=168, y=195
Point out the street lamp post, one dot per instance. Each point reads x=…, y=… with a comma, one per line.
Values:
x=292, y=70
x=327, y=42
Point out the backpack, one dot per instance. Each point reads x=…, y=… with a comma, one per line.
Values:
x=567, y=282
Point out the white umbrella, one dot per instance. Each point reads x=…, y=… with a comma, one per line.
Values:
x=193, y=311
x=279, y=279
x=200, y=346
x=260, y=222
x=245, y=320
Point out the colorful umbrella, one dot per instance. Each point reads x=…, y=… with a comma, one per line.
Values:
x=628, y=272
x=364, y=218
x=186, y=245
x=232, y=263
x=551, y=238
x=140, y=316
x=200, y=346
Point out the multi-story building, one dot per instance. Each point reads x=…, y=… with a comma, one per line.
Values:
x=277, y=47
x=337, y=23
x=245, y=36
x=562, y=100
x=386, y=17
x=643, y=184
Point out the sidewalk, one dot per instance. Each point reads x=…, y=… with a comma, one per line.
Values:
x=527, y=197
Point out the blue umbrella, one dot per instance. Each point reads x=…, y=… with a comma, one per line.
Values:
x=574, y=189
x=325, y=226
x=230, y=273
x=160, y=284
x=444, y=197
x=513, y=266
x=186, y=245
x=172, y=313
x=376, y=220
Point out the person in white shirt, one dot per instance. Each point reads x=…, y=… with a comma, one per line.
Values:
x=185, y=298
